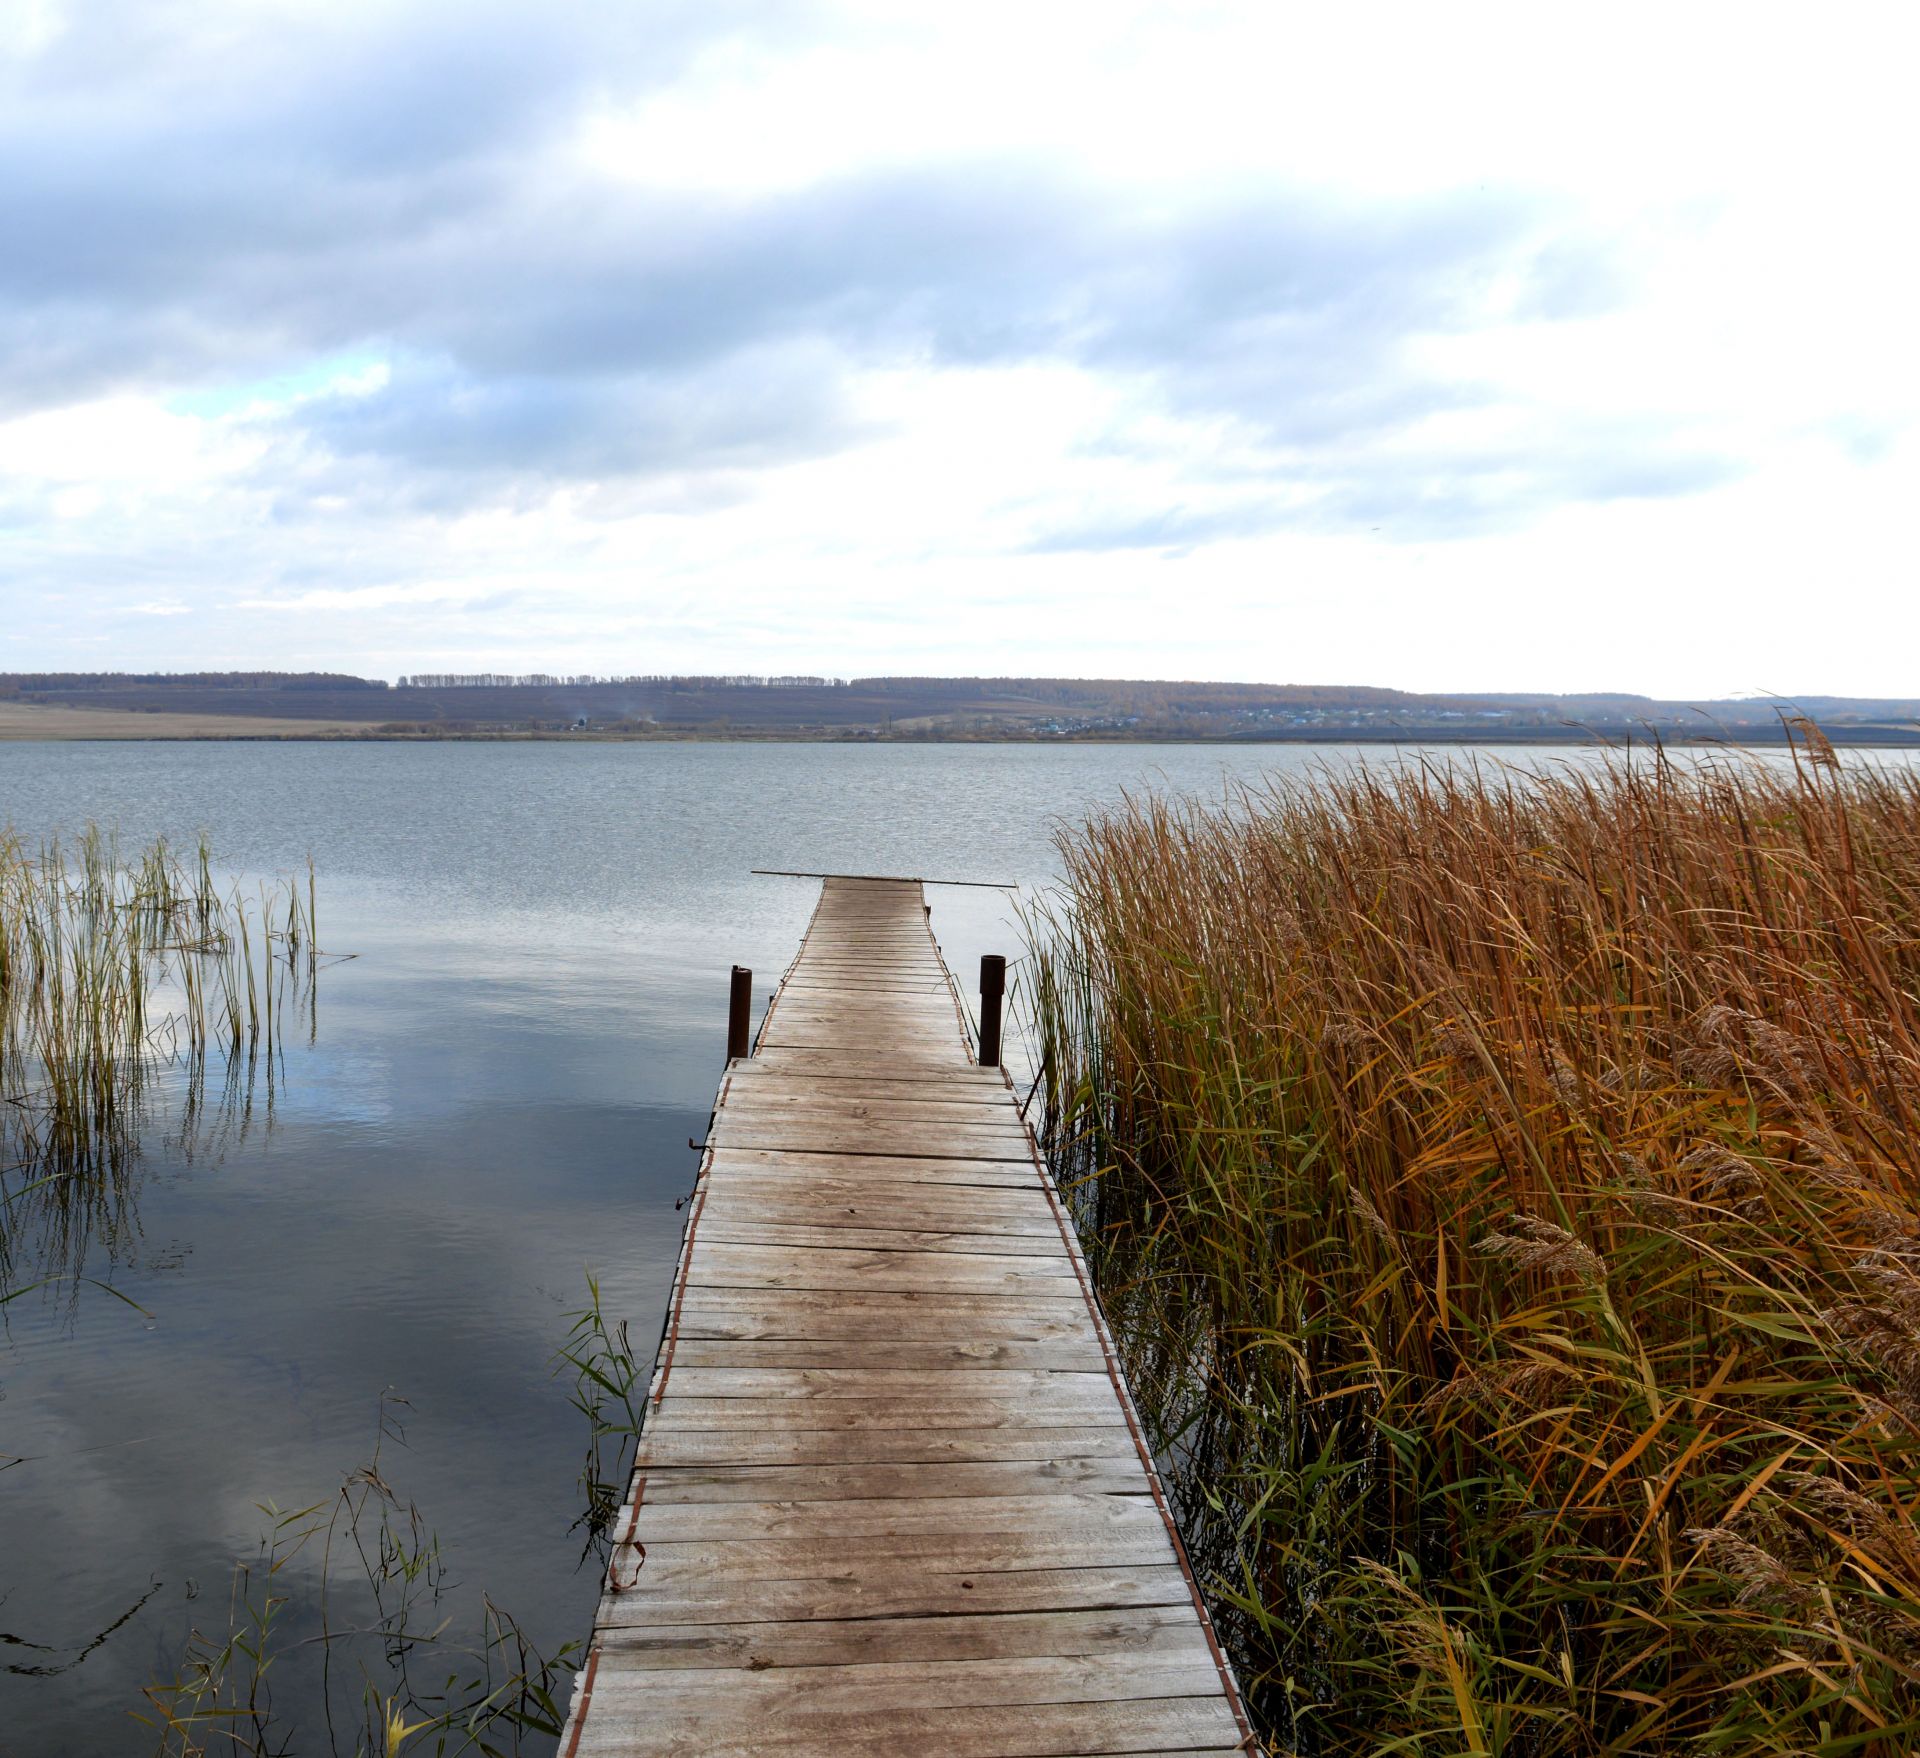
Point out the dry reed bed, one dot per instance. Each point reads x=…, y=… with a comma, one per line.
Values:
x=1505, y=1193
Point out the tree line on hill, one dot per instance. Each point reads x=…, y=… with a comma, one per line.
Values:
x=28, y=683
x=539, y=680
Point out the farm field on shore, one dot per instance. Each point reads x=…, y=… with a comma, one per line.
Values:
x=31, y=721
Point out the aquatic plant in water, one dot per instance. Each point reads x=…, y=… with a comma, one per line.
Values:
x=608, y=1390
x=112, y=970
x=361, y=1577
x=1506, y=1193
x=382, y=1626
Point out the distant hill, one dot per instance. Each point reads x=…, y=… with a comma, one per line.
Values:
x=947, y=708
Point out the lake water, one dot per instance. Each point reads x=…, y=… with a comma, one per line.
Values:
x=497, y=1099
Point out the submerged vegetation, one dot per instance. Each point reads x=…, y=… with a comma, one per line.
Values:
x=1506, y=1194
x=360, y=1579
x=359, y=1585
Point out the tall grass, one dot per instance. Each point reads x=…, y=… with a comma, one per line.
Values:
x=112, y=968
x=1504, y=1191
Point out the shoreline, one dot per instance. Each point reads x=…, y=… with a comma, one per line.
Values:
x=1840, y=739
x=60, y=725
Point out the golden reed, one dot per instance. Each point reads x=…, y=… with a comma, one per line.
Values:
x=1504, y=1189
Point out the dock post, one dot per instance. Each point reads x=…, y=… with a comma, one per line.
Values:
x=739, y=1013
x=993, y=985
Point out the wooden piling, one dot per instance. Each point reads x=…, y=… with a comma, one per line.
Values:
x=993, y=986
x=740, y=1014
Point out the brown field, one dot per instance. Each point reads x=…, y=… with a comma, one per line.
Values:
x=21, y=721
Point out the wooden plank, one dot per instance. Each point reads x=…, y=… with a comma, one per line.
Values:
x=859, y=958
x=826, y=985
x=909, y=988
x=945, y=1064
x=919, y=956
x=852, y=915
x=899, y=1446
x=938, y=1562
x=1180, y=1724
x=756, y=1266
x=882, y=1588
x=946, y=1092
x=871, y=1352
x=918, y=1023
x=807, y=1314
x=867, y=1136
x=800, y=1031
x=932, y=1410
x=734, y=1521
x=1073, y=1474
x=929, y=1012
x=826, y=1167
x=906, y=1108
x=945, y=1077
x=834, y=939
x=811, y=1383
x=833, y=1065
x=783, y=1032
x=852, y=968
x=859, y=1118
x=684, y=1412
x=1150, y=1629
x=864, y=988
x=851, y=942
x=846, y=946
x=870, y=957
x=870, y=1208
x=805, y=1691
x=942, y=1192
x=873, y=1201
x=915, y=1072
x=879, y=1202
x=831, y=934
x=728, y=1228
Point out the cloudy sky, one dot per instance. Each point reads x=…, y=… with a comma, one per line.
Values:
x=1443, y=346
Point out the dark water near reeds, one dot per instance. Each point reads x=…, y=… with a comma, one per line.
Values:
x=496, y=1098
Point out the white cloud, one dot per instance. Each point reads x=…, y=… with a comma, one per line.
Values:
x=1466, y=346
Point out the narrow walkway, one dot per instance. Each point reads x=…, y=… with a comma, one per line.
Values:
x=891, y=1495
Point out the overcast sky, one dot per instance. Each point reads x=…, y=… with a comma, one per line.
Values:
x=1439, y=347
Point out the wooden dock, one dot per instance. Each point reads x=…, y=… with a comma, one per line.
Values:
x=891, y=1494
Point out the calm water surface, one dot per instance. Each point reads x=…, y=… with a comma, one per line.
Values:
x=497, y=1099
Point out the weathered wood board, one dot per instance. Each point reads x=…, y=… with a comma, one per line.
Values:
x=891, y=1496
